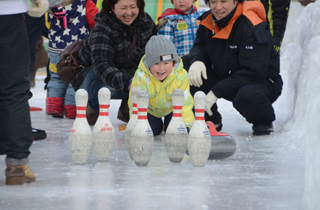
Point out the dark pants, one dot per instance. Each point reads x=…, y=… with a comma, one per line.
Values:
x=35, y=27
x=254, y=102
x=15, y=124
x=156, y=123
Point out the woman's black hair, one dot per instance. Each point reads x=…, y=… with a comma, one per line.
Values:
x=108, y=5
x=207, y=1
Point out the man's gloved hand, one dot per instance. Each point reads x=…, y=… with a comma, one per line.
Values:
x=39, y=7
x=195, y=71
x=211, y=99
x=60, y=13
x=277, y=39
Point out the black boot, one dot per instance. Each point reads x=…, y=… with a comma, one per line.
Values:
x=262, y=128
x=123, y=113
x=216, y=118
x=38, y=134
x=92, y=115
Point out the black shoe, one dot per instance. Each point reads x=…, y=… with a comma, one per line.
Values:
x=262, y=128
x=216, y=119
x=38, y=134
x=123, y=113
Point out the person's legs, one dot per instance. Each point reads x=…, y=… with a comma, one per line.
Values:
x=70, y=103
x=253, y=101
x=14, y=107
x=167, y=120
x=156, y=124
x=93, y=102
x=56, y=89
x=35, y=26
x=54, y=101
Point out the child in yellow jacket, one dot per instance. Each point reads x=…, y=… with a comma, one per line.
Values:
x=160, y=72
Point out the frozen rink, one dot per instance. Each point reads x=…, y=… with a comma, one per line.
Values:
x=260, y=175
x=274, y=172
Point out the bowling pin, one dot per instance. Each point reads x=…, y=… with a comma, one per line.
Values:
x=199, y=139
x=133, y=119
x=142, y=138
x=176, y=135
x=103, y=132
x=80, y=137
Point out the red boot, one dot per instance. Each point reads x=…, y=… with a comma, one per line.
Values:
x=70, y=111
x=54, y=106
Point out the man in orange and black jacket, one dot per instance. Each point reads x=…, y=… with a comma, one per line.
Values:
x=234, y=58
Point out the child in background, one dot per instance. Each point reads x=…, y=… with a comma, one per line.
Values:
x=160, y=72
x=80, y=14
x=181, y=25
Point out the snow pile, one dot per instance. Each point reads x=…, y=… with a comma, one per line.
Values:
x=298, y=108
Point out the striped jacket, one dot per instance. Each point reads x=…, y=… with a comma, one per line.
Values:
x=107, y=50
x=181, y=28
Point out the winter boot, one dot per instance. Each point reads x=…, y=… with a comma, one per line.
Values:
x=54, y=106
x=18, y=175
x=123, y=113
x=92, y=115
x=38, y=134
x=70, y=111
x=262, y=128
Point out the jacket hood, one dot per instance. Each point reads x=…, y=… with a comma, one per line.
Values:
x=254, y=11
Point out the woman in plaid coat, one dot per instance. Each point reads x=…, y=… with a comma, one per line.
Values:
x=112, y=52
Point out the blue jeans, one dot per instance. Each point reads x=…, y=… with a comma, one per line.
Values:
x=92, y=85
x=156, y=123
x=57, y=87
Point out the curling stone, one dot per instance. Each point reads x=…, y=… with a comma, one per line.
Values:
x=222, y=144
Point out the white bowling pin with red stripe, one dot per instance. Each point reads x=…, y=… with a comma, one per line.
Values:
x=103, y=132
x=133, y=119
x=176, y=134
x=142, y=138
x=80, y=137
x=199, y=139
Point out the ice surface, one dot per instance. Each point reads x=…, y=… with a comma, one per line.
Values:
x=280, y=171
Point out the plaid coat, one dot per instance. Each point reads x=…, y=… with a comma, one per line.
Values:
x=107, y=50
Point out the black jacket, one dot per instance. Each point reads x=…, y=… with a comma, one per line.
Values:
x=242, y=52
x=107, y=50
x=277, y=15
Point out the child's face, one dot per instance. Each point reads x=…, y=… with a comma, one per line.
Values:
x=126, y=11
x=161, y=70
x=184, y=5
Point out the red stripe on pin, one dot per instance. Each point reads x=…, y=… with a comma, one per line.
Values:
x=103, y=106
x=176, y=115
x=199, y=110
x=142, y=109
x=81, y=116
x=135, y=112
x=81, y=108
x=134, y=105
x=142, y=117
x=199, y=118
x=177, y=107
x=104, y=114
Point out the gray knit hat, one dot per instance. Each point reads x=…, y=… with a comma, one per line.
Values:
x=159, y=49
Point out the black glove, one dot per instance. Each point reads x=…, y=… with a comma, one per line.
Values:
x=60, y=13
x=277, y=39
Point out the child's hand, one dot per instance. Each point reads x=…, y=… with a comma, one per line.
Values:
x=39, y=7
x=60, y=13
